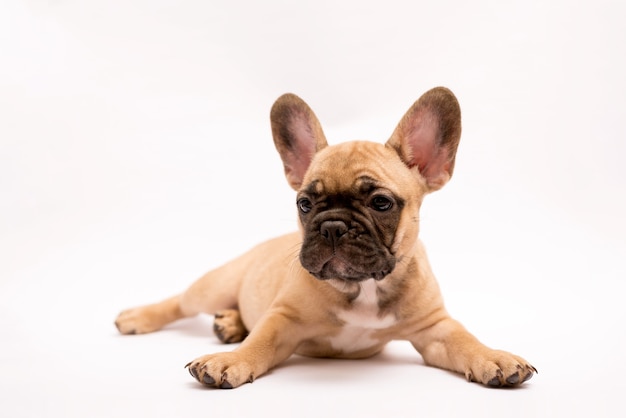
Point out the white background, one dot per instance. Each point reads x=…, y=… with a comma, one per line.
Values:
x=135, y=154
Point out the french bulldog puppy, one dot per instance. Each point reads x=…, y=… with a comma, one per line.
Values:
x=355, y=276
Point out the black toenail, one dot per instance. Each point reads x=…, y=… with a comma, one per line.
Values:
x=513, y=379
x=208, y=380
x=495, y=382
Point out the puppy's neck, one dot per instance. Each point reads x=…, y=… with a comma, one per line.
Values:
x=361, y=319
x=365, y=292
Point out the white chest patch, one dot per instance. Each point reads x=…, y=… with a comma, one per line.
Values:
x=361, y=321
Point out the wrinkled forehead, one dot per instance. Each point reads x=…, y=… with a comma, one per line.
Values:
x=358, y=167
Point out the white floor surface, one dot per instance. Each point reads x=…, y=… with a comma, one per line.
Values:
x=135, y=154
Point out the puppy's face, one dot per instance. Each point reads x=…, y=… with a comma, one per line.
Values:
x=358, y=202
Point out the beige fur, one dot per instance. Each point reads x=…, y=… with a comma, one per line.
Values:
x=287, y=310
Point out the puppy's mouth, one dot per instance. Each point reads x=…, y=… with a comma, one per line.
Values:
x=337, y=268
x=346, y=250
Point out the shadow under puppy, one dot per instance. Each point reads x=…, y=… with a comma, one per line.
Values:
x=362, y=277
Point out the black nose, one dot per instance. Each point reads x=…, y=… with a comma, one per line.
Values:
x=333, y=230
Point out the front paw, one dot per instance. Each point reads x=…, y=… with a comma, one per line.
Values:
x=222, y=370
x=499, y=369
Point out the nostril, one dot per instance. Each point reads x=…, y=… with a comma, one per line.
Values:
x=332, y=230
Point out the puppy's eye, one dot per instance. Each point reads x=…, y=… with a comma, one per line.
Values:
x=305, y=205
x=381, y=203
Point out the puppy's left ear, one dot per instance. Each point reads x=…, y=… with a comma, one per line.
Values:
x=428, y=135
x=297, y=135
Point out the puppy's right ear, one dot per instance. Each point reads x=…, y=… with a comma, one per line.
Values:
x=297, y=135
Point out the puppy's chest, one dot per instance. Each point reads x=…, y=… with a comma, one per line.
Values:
x=361, y=322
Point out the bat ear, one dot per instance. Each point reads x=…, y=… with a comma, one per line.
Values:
x=297, y=136
x=428, y=135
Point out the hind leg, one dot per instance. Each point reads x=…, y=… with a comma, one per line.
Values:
x=149, y=318
x=229, y=327
x=214, y=291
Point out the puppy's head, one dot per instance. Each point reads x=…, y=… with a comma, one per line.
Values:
x=358, y=201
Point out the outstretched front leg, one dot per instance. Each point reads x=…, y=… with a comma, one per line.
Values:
x=448, y=345
x=274, y=338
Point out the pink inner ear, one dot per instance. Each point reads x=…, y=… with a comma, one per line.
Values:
x=303, y=148
x=297, y=164
x=423, y=140
x=437, y=170
x=425, y=149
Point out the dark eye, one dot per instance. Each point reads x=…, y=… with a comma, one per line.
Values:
x=381, y=203
x=305, y=205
